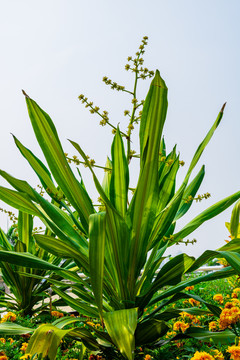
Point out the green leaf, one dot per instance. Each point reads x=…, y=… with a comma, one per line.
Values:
x=40, y=169
x=150, y=331
x=62, y=249
x=45, y=340
x=204, y=143
x=234, y=223
x=121, y=326
x=120, y=175
x=143, y=206
x=107, y=178
x=97, y=234
x=8, y=328
x=19, y=201
x=191, y=190
x=49, y=142
x=25, y=227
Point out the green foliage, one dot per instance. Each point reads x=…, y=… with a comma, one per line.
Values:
x=119, y=248
x=27, y=293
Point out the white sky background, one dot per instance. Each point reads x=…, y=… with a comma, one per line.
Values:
x=56, y=50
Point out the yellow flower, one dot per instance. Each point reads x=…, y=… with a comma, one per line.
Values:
x=234, y=295
x=2, y=340
x=26, y=356
x=234, y=351
x=147, y=357
x=193, y=302
x=202, y=356
x=229, y=316
x=180, y=325
x=213, y=325
x=218, y=355
x=237, y=290
x=9, y=316
x=218, y=298
x=11, y=340
x=24, y=346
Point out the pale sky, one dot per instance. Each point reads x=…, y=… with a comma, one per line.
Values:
x=56, y=50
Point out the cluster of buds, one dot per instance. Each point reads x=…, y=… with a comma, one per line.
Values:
x=41, y=188
x=77, y=230
x=169, y=162
x=186, y=242
x=199, y=198
x=170, y=238
x=94, y=109
x=113, y=84
x=56, y=196
x=11, y=215
x=37, y=230
x=137, y=62
x=102, y=206
x=75, y=160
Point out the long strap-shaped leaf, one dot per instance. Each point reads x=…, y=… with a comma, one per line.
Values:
x=97, y=235
x=121, y=326
x=41, y=171
x=25, y=227
x=120, y=175
x=143, y=206
x=49, y=142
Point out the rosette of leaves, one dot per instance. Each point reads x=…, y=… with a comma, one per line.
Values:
x=27, y=293
x=120, y=248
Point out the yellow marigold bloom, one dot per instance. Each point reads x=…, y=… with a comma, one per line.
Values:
x=234, y=351
x=235, y=302
x=11, y=340
x=234, y=295
x=218, y=355
x=3, y=357
x=9, y=316
x=2, y=340
x=189, y=288
x=170, y=334
x=24, y=346
x=193, y=302
x=218, y=298
x=202, y=356
x=237, y=290
x=213, y=325
x=147, y=357
x=229, y=316
x=180, y=325
x=57, y=314
x=26, y=356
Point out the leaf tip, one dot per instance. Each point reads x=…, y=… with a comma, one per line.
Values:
x=223, y=107
x=25, y=94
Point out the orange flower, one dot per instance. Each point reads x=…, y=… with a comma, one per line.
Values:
x=2, y=340
x=9, y=316
x=180, y=325
x=229, y=316
x=234, y=351
x=3, y=357
x=193, y=302
x=218, y=298
x=24, y=346
x=202, y=356
x=213, y=325
x=57, y=314
x=147, y=357
x=189, y=288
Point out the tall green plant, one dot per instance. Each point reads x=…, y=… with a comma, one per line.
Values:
x=120, y=247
